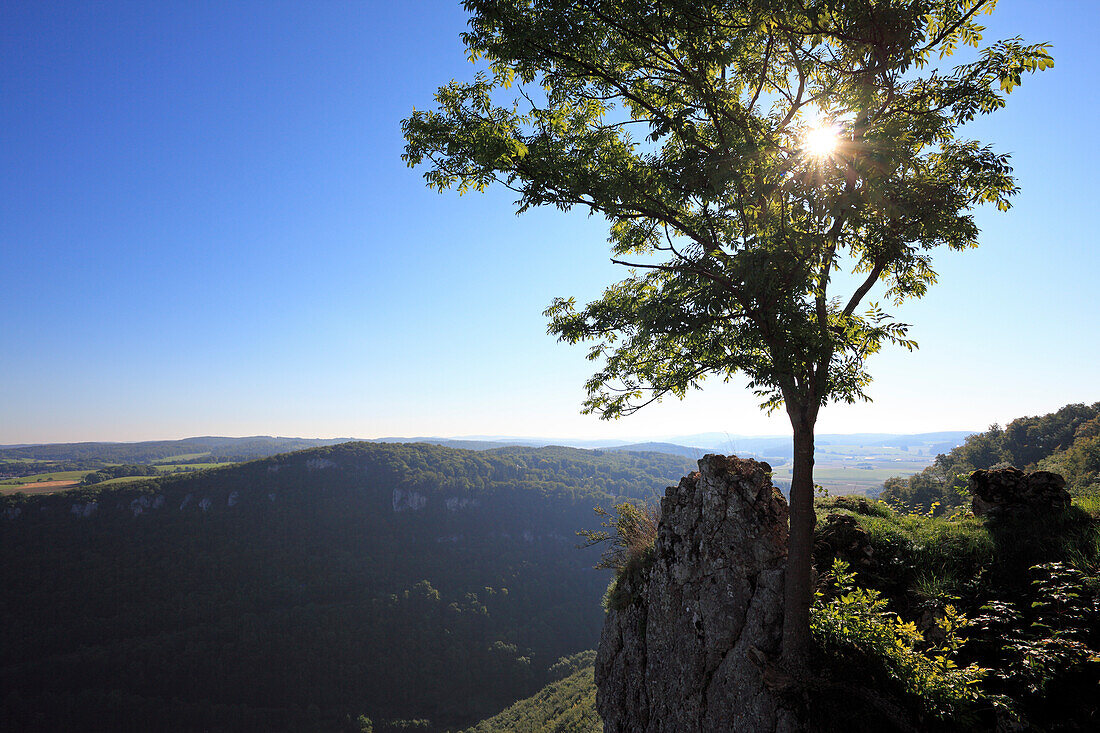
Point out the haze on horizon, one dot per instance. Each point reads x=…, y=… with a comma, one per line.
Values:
x=206, y=229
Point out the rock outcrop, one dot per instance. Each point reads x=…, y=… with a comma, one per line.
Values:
x=1011, y=491
x=840, y=535
x=687, y=647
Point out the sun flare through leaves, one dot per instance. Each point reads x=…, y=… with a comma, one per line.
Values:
x=821, y=139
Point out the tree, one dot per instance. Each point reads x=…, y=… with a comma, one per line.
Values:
x=743, y=152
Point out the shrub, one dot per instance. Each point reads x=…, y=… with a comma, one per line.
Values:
x=854, y=622
x=634, y=533
x=630, y=535
x=1063, y=613
x=861, y=505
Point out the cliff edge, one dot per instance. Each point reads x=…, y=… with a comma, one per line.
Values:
x=686, y=641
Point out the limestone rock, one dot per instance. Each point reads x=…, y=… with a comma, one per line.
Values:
x=1011, y=491
x=408, y=501
x=690, y=650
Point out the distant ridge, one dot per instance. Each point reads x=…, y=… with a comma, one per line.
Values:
x=679, y=450
x=462, y=443
x=233, y=449
x=261, y=446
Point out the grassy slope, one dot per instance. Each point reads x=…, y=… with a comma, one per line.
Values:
x=165, y=469
x=918, y=558
x=565, y=706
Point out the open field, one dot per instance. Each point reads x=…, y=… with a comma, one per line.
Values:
x=164, y=469
x=44, y=477
x=172, y=467
x=881, y=451
x=180, y=457
x=38, y=487
x=48, y=483
x=855, y=469
x=123, y=480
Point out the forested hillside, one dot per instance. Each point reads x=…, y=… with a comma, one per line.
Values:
x=1066, y=442
x=566, y=705
x=418, y=586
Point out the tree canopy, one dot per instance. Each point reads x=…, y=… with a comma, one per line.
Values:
x=1066, y=442
x=744, y=153
x=684, y=124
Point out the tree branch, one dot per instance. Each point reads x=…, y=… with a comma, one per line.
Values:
x=861, y=291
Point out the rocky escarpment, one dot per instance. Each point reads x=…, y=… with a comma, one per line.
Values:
x=686, y=646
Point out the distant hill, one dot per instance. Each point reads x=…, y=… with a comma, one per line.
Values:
x=679, y=450
x=300, y=591
x=460, y=443
x=209, y=448
x=698, y=444
x=781, y=445
x=213, y=448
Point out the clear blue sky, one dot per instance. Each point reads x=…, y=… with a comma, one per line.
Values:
x=206, y=228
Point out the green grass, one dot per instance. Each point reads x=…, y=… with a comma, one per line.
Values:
x=165, y=469
x=1089, y=503
x=915, y=557
x=180, y=457
x=124, y=480
x=565, y=706
x=35, y=489
x=12, y=485
x=944, y=553
x=920, y=558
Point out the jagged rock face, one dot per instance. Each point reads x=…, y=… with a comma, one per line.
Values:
x=688, y=652
x=1011, y=491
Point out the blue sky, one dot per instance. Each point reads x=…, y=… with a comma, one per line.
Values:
x=206, y=228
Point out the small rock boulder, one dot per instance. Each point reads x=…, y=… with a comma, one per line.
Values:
x=1011, y=491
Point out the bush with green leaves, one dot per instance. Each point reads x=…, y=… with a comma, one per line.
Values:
x=633, y=530
x=848, y=621
x=1046, y=640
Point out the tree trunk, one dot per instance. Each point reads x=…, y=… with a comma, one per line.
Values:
x=798, y=591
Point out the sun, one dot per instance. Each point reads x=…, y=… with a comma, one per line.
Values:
x=820, y=139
